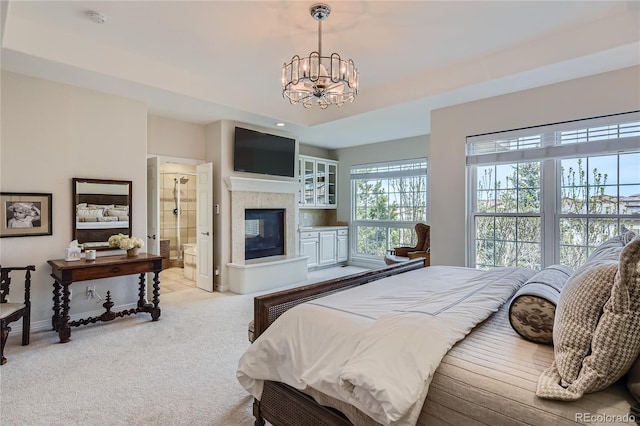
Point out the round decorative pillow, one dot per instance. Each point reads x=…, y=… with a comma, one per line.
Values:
x=533, y=307
x=532, y=318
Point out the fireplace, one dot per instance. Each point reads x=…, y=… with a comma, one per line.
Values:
x=247, y=272
x=263, y=233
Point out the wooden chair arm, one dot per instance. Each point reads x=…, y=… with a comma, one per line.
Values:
x=425, y=254
x=403, y=251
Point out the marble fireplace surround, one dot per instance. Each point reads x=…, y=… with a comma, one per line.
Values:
x=247, y=276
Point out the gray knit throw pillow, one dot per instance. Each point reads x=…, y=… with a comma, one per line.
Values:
x=591, y=355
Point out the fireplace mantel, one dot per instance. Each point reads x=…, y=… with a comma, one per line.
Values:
x=269, y=272
x=235, y=183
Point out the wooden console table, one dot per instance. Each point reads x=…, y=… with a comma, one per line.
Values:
x=66, y=273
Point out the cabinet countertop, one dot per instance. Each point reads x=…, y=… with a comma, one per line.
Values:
x=322, y=228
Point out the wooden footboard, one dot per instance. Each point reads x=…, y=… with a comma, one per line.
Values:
x=283, y=405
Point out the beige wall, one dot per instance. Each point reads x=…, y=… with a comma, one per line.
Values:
x=175, y=138
x=314, y=151
x=51, y=133
x=602, y=94
x=400, y=149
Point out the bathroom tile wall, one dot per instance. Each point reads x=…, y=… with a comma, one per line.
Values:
x=168, y=217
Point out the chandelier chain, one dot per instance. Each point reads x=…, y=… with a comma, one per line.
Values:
x=320, y=37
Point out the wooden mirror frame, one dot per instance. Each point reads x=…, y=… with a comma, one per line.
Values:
x=97, y=237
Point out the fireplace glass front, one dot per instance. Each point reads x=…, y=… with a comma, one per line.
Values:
x=263, y=233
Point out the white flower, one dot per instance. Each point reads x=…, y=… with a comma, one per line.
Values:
x=125, y=242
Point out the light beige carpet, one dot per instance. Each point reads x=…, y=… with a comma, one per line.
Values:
x=131, y=371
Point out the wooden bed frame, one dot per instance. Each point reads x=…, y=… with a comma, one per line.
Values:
x=281, y=404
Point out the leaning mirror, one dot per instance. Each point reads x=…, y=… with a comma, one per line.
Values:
x=101, y=208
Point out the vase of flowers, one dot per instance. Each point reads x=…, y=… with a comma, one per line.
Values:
x=125, y=242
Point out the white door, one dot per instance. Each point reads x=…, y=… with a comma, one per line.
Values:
x=204, y=208
x=153, y=205
x=343, y=247
x=327, y=254
x=309, y=248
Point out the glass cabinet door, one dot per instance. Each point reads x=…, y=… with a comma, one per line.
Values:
x=332, y=176
x=318, y=180
x=308, y=179
x=321, y=183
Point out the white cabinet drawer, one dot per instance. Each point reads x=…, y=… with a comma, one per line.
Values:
x=308, y=235
x=343, y=232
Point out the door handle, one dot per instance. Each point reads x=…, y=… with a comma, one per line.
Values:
x=153, y=237
x=205, y=233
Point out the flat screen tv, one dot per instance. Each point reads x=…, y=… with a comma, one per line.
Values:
x=257, y=152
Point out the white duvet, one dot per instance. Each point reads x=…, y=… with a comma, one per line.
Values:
x=377, y=346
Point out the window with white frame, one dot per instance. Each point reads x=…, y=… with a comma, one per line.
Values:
x=551, y=194
x=388, y=199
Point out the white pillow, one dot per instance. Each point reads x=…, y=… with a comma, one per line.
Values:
x=117, y=212
x=107, y=219
x=84, y=213
x=100, y=206
x=87, y=219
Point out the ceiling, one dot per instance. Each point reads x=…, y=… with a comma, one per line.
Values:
x=203, y=61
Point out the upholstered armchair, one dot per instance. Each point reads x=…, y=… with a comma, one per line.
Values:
x=421, y=249
x=13, y=311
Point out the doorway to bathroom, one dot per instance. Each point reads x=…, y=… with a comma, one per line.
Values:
x=178, y=220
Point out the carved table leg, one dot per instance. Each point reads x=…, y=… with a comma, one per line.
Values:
x=142, y=300
x=5, y=334
x=55, y=319
x=65, y=330
x=155, y=312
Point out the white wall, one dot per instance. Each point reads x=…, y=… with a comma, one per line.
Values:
x=51, y=133
x=602, y=94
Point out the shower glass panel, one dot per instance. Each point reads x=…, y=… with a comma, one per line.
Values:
x=178, y=212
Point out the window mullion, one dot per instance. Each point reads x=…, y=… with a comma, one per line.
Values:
x=549, y=209
x=472, y=185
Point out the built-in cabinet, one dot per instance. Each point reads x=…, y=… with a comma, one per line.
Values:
x=325, y=247
x=309, y=246
x=328, y=252
x=342, y=244
x=318, y=182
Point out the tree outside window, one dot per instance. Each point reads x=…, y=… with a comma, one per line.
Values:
x=597, y=196
x=388, y=200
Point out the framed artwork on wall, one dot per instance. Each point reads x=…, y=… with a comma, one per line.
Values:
x=24, y=214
